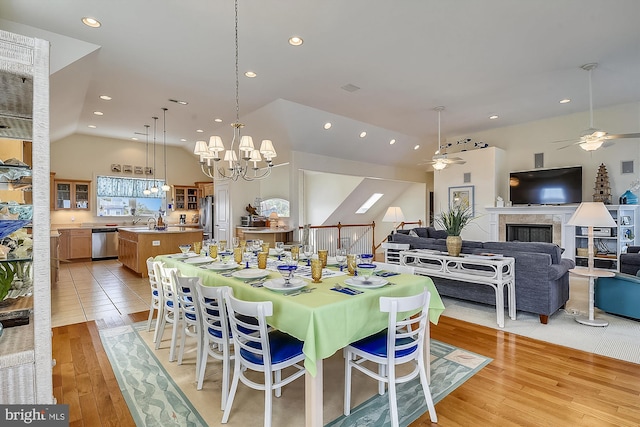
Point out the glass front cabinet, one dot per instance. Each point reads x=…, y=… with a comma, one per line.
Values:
x=72, y=194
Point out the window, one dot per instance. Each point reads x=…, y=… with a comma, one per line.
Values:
x=117, y=196
x=279, y=206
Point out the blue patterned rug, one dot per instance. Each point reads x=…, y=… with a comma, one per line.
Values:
x=154, y=399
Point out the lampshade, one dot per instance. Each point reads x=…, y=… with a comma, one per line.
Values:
x=215, y=144
x=594, y=214
x=394, y=214
x=201, y=148
x=273, y=215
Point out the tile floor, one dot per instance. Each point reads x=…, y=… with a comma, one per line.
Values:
x=96, y=290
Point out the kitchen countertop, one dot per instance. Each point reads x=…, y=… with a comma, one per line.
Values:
x=265, y=230
x=170, y=229
x=91, y=226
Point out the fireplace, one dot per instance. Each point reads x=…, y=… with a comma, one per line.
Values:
x=529, y=233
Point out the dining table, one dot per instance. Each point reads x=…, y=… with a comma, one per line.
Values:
x=326, y=318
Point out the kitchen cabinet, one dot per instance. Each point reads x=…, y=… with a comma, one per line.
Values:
x=25, y=361
x=71, y=194
x=75, y=243
x=205, y=187
x=186, y=198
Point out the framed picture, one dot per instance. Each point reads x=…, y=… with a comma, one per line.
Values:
x=461, y=197
x=625, y=220
x=127, y=168
x=148, y=170
x=138, y=170
x=115, y=167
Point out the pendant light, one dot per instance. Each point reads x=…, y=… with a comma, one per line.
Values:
x=154, y=188
x=165, y=187
x=146, y=190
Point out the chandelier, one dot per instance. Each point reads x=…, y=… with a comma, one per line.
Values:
x=242, y=161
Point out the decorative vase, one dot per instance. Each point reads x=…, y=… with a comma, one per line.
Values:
x=454, y=245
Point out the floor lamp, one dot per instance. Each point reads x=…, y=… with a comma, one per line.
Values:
x=591, y=214
x=394, y=214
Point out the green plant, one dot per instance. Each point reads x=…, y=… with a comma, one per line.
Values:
x=455, y=220
x=6, y=278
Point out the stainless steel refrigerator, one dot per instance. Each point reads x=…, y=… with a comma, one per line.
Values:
x=206, y=216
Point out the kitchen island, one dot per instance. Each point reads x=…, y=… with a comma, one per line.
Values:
x=136, y=244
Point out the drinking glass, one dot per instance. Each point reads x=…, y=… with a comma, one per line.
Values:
x=237, y=254
x=316, y=270
x=308, y=251
x=322, y=256
x=185, y=248
x=222, y=245
x=235, y=241
x=262, y=259
x=279, y=249
x=365, y=271
x=257, y=245
x=341, y=258
x=213, y=251
x=287, y=270
x=265, y=247
x=197, y=247
x=295, y=252
x=352, y=261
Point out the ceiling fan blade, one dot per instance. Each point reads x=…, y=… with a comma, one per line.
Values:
x=623, y=135
x=565, y=140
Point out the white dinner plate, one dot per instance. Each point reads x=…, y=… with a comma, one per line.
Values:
x=198, y=260
x=250, y=273
x=183, y=256
x=272, y=252
x=278, y=284
x=372, y=283
x=221, y=266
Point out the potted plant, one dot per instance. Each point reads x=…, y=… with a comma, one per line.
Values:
x=453, y=222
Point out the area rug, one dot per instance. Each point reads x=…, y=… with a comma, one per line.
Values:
x=162, y=393
x=619, y=340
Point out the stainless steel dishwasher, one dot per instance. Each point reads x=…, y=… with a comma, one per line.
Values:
x=104, y=243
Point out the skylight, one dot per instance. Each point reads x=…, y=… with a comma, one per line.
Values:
x=370, y=202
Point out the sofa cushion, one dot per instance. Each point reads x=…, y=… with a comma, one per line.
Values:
x=437, y=234
x=540, y=247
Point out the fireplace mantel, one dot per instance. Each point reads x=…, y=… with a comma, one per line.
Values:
x=556, y=215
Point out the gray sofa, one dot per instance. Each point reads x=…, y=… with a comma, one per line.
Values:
x=542, y=275
x=630, y=262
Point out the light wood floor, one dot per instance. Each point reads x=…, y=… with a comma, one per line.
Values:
x=529, y=382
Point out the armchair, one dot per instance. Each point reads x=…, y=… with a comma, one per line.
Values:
x=630, y=262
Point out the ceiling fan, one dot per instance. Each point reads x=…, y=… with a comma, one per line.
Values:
x=441, y=160
x=592, y=138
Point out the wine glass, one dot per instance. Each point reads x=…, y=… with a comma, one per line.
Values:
x=279, y=249
x=235, y=241
x=257, y=245
x=341, y=257
x=185, y=248
x=308, y=251
x=365, y=271
x=288, y=269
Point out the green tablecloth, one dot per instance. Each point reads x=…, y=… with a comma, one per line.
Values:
x=325, y=320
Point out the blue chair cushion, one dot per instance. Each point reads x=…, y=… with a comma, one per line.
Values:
x=155, y=292
x=377, y=345
x=283, y=347
x=190, y=316
x=248, y=319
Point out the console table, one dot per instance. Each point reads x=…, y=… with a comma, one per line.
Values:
x=493, y=271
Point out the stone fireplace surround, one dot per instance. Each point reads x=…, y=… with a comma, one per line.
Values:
x=557, y=216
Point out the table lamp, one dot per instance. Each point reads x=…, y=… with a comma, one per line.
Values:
x=591, y=214
x=394, y=214
x=273, y=220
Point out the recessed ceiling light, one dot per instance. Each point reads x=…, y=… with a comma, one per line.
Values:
x=363, y=134
x=250, y=74
x=134, y=138
x=177, y=101
x=416, y=147
x=327, y=125
x=98, y=113
x=495, y=116
x=199, y=130
x=92, y=126
x=91, y=22
x=217, y=120
x=295, y=41
x=183, y=140
x=565, y=101
x=105, y=97
x=393, y=141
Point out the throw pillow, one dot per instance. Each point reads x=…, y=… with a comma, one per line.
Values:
x=413, y=233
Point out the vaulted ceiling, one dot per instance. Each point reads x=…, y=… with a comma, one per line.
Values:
x=514, y=59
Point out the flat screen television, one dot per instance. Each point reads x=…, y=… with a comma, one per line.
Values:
x=546, y=186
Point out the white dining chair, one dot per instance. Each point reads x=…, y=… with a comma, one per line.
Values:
x=216, y=337
x=401, y=343
x=190, y=322
x=171, y=307
x=257, y=349
x=156, y=305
